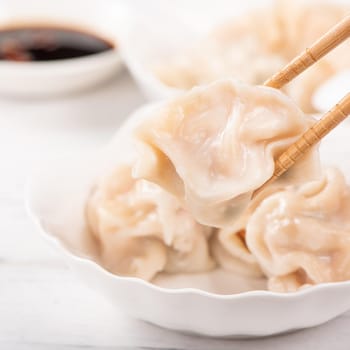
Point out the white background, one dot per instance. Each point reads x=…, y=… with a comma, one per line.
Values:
x=42, y=304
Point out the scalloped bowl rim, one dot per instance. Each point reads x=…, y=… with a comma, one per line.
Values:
x=57, y=242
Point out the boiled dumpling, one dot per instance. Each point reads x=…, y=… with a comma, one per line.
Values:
x=122, y=219
x=143, y=230
x=232, y=254
x=212, y=147
x=179, y=197
x=301, y=236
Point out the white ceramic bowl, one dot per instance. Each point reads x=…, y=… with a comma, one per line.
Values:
x=61, y=76
x=56, y=201
x=152, y=33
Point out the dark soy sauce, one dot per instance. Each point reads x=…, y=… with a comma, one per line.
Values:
x=48, y=44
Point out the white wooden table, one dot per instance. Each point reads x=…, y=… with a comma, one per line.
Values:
x=43, y=305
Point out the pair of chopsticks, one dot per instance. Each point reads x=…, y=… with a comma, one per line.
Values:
x=331, y=119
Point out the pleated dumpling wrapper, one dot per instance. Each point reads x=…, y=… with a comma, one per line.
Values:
x=215, y=145
x=301, y=236
x=142, y=230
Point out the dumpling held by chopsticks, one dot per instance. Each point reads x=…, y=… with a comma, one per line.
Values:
x=212, y=147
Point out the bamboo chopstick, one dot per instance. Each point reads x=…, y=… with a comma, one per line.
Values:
x=335, y=36
x=312, y=136
x=321, y=47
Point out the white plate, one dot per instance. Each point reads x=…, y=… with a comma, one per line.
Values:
x=154, y=31
x=62, y=76
x=56, y=201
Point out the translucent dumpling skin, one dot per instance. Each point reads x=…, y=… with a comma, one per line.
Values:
x=181, y=200
x=212, y=147
x=301, y=236
x=142, y=230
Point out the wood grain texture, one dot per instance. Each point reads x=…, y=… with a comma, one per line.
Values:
x=309, y=139
x=312, y=136
x=335, y=36
x=320, y=48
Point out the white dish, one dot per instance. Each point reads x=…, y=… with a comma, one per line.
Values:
x=192, y=303
x=62, y=76
x=154, y=32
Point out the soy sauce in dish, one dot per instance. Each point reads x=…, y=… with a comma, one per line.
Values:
x=48, y=44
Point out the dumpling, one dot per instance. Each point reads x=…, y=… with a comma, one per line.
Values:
x=301, y=236
x=123, y=221
x=229, y=247
x=215, y=145
x=230, y=251
x=143, y=230
x=242, y=50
